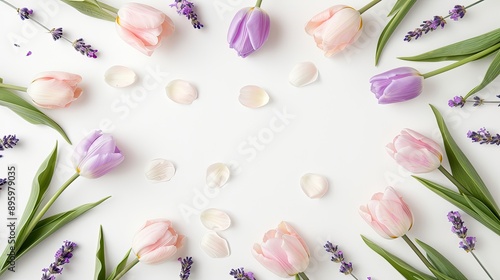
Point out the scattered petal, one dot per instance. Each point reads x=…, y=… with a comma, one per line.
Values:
x=253, y=96
x=181, y=92
x=159, y=170
x=303, y=74
x=214, y=245
x=214, y=219
x=217, y=175
x=119, y=76
x=314, y=185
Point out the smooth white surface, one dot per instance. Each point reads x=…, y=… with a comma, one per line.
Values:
x=332, y=127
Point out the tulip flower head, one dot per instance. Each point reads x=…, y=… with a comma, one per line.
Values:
x=54, y=89
x=388, y=214
x=96, y=155
x=249, y=30
x=156, y=241
x=143, y=27
x=282, y=251
x=397, y=85
x=335, y=28
x=415, y=152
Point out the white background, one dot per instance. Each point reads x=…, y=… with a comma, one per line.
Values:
x=335, y=128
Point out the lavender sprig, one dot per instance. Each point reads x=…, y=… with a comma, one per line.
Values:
x=62, y=257
x=186, y=264
x=455, y=14
x=483, y=136
x=56, y=33
x=8, y=142
x=186, y=8
x=459, y=101
x=467, y=243
x=240, y=274
x=338, y=257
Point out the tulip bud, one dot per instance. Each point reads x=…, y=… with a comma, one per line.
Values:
x=156, y=241
x=54, y=89
x=397, y=85
x=415, y=152
x=388, y=214
x=249, y=30
x=335, y=28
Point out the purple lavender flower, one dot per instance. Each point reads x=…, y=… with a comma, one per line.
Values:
x=338, y=257
x=345, y=268
x=457, y=101
x=460, y=230
x=185, y=267
x=483, y=136
x=57, y=33
x=85, y=49
x=468, y=244
x=240, y=274
x=186, y=8
x=3, y=181
x=62, y=257
x=24, y=13
x=457, y=12
x=8, y=142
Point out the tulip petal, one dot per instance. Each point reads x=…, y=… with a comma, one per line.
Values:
x=314, y=185
x=236, y=26
x=303, y=74
x=99, y=165
x=253, y=96
x=214, y=219
x=158, y=255
x=181, y=92
x=159, y=170
x=258, y=25
x=270, y=263
x=214, y=245
x=119, y=76
x=217, y=175
x=142, y=16
x=320, y=18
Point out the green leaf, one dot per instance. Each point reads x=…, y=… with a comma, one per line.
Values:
x=397, y=6
x=39, y=187
x=391, y=26
x=28, y=112
x=491, y=74
x=442, y=264
x=401, y=266
x=457, y=200
x=462, y=169
x=120, y=266
x=90, y=8
x=482, y=210
x=459, y=50
x=100, y=262
x=44, y=228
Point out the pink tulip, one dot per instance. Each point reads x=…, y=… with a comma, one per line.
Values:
x=415, y=152
x=282, y=251
x=335, y=28
x=156, y=241
x=54, y=89
x=388, y=214
x=143, y=27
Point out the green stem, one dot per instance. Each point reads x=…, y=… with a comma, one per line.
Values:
x=303, y=276
x=2, y=85
x=297, y=277
x=44, y=210
x=126, y=269
x=463, y=61
x=482, y=266
x=9, y=4
x=354, y=276
x=368, y=6
x=259, y=2
x=466, y=7
x=108, y=8
x=452, y=179
x=417, y=251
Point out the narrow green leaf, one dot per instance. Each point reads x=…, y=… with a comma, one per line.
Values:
x=462, y=169
x=120, y=266
x=28, y=112
x=397, y=6
x=459, y=50
x=90, y=8
x=39, y=186
x=100, y=262
x=44, y=228
x=442, y=264
x=482, y=210
x=391, y=26
x=401, y=266
x=491, y=74
x=457, y=200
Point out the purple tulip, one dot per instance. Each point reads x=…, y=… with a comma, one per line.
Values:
x=397, y=85
x=96, y=155
x=249, y=30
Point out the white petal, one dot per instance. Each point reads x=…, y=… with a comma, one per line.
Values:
x=253, y=96
x=214, y=219
x=181, y=92
x=314, y=185
x=217, y=175
x=119, y=76
x=214, y=245
x=303, y=74
x=159, y=170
